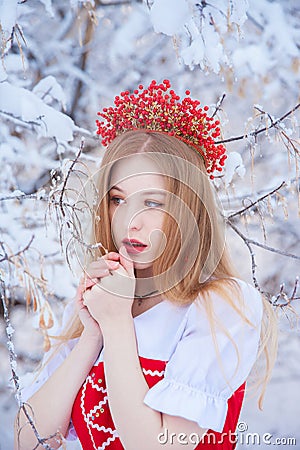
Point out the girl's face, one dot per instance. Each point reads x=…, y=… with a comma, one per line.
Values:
x=136, y=208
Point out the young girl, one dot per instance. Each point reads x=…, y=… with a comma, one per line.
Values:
x=158, y=344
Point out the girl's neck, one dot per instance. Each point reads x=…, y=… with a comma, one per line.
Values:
x=146, y=292
x=144, y=286
x=140, y=306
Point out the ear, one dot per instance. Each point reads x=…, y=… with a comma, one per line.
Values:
x=126, y=262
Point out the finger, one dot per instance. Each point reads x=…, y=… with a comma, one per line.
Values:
x=86, y=297
x=96, y=273
x=112, y=264
x=86, y=283
x=100, y=267
x=84, y=286
x=126, y=262
x=101, y=272
x=103, y=261
x=89, y=283
x=111, y=256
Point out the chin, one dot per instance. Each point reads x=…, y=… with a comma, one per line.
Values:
x=142, y=266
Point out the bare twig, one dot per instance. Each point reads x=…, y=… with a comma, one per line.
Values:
x=63, y=209
x=9, y=258
x=13, y=366
x=241, y=211
x=260, y=130
x=89, y=30
x=68, y=175
x=117, y=2
x=219, y=104
x=282, y=299
x=259, y=244
x=23, y=196
x=252, y=255
x=34, y=286
x=249, y=242
x=19, y=119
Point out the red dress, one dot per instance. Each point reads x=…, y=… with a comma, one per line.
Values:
x=186, y=376
x=94, y=425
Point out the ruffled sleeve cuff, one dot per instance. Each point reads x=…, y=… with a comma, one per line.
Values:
x=176, y=399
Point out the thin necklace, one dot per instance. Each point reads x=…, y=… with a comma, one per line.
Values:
x=140, y=297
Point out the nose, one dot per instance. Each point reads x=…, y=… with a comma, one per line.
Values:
x=134, y=220
x=130, y=215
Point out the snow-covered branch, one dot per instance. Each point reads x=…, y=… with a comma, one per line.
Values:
x=13, y=365
x=272, y=124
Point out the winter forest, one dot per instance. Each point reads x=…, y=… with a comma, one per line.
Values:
x=63, y=61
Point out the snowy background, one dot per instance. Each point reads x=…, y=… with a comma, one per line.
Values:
x=64, y=60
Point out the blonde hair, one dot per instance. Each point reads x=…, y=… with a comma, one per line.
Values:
x=205, y=263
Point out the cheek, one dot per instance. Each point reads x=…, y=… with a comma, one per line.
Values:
x=113, y=216
x=113, y=222
x=158, y=220
x=111, y=211
x=156, y=228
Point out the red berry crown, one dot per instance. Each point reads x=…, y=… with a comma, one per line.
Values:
x=158, y=108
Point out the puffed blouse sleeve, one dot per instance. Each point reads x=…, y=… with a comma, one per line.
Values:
x=198, y=379
x=31, y=383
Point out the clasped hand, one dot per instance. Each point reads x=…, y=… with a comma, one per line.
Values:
x=106, y=292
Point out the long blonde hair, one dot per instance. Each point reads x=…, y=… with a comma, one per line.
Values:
x=195, y=260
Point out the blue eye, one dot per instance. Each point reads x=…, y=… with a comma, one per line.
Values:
x=153, y=204
x=115, y=200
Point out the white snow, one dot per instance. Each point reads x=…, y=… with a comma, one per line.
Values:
x=233, y=164
x=125, y=38
x=14, y=64
x=48, y=7
x=8, y=15
x=3, y=74
x=195, y=53
x=48, y=89
x=254, y=57
x=27, y=106
x=238, y=12
x=168, y=19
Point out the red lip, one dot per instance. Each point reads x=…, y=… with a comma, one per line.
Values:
x=134, y=246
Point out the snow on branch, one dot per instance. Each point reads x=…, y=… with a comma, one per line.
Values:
x=69, y=205
x=208, y=35
x=18, y=265
x=272, y=124
x=249, y=242
x=25, y=106
x=243, y=210
x=23, y=406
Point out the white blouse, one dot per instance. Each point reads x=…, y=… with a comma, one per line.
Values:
x=198, y=379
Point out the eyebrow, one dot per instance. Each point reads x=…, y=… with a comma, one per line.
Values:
x=150, y=192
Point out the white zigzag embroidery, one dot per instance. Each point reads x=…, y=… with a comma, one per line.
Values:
x=97, y=387
x=94, y=425
x=83, y=412
x=92, y=411
x=103, y=402
x=153, y=372
x=106, y=443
